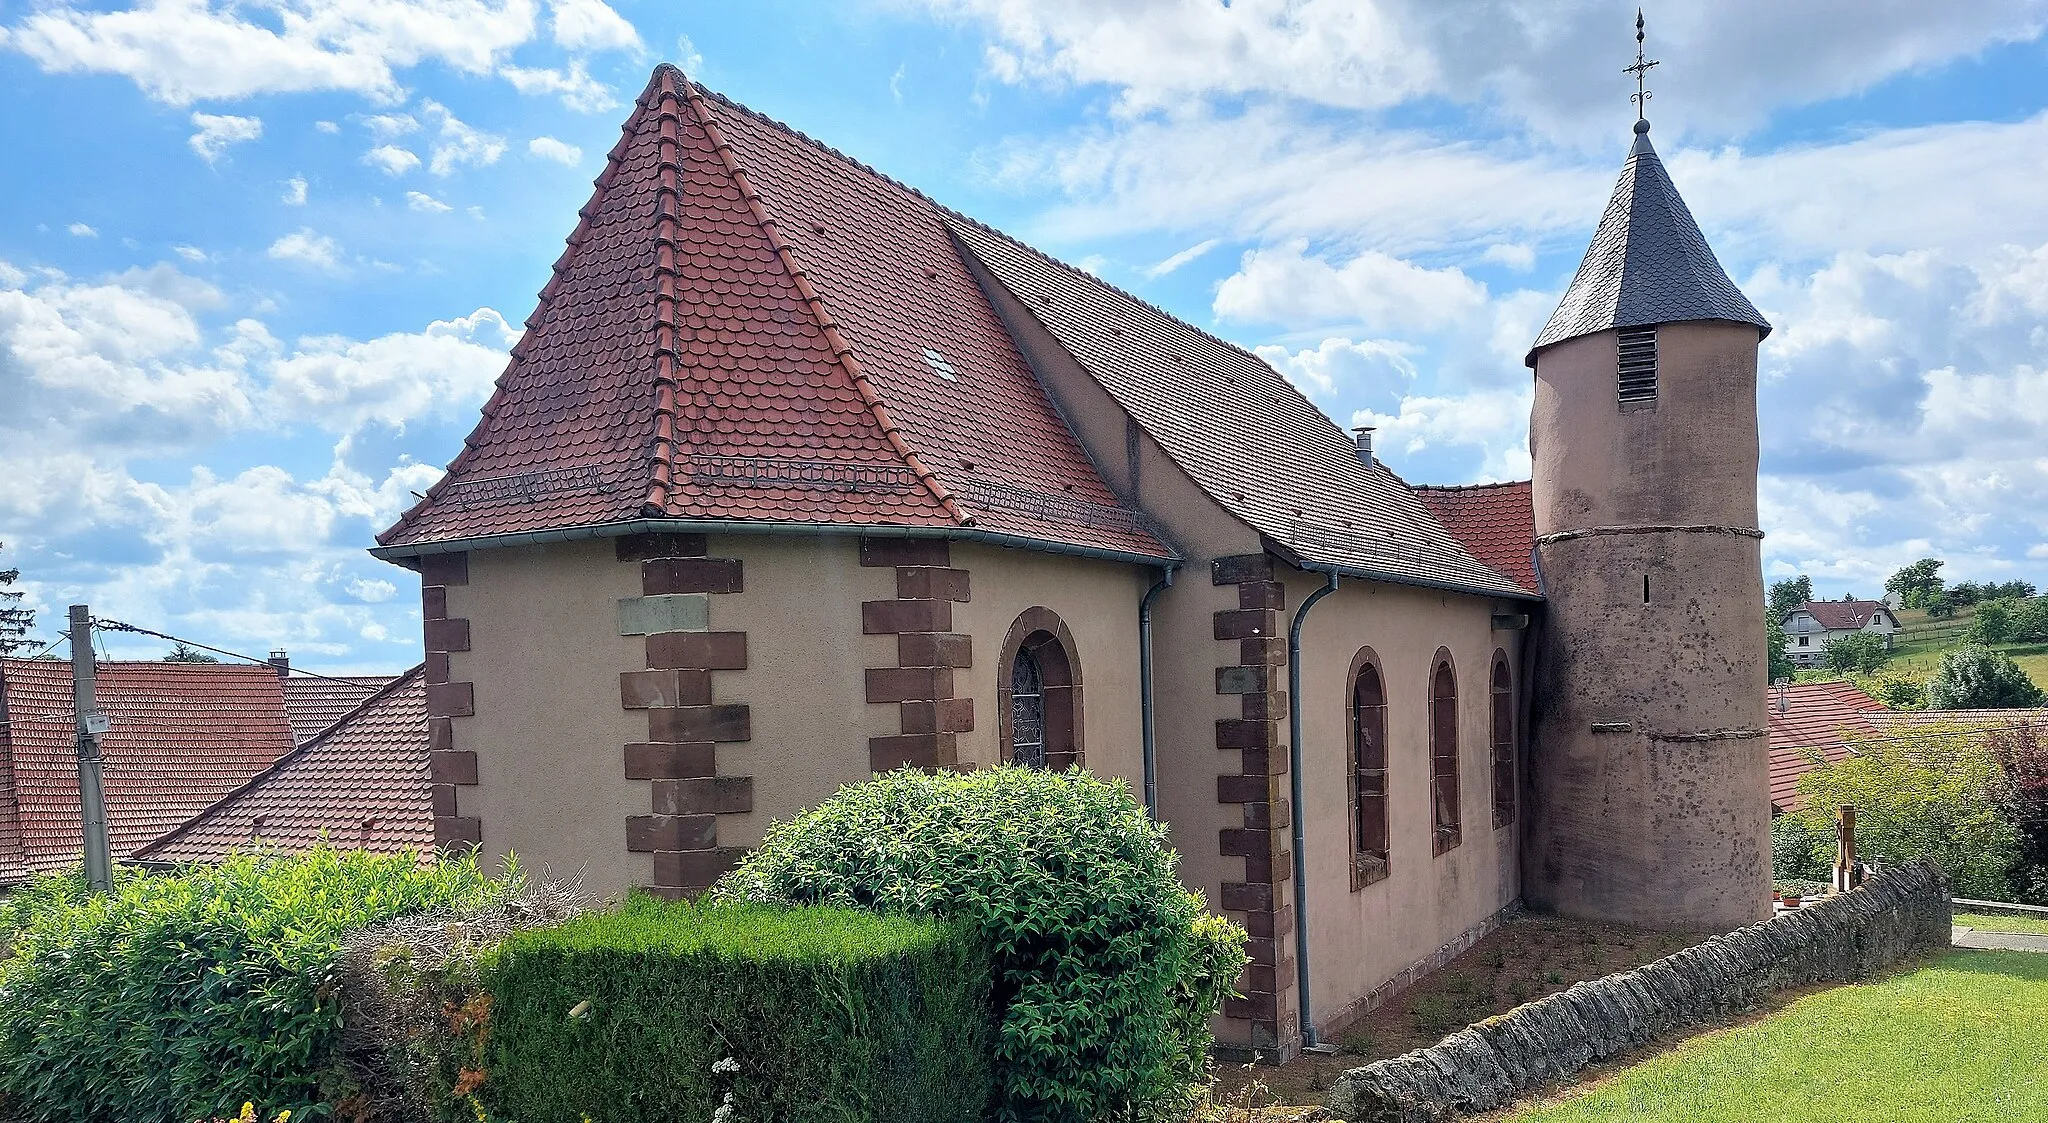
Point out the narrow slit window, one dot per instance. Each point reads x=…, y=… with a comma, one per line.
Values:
x=1638, y=365
x=1646, y=588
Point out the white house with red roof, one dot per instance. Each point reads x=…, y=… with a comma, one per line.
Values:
x=1813, y=625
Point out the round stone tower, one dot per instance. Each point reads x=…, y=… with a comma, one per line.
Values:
x=1649, y=760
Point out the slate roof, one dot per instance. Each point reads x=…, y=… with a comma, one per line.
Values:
x=749, y=326
x=1819, y=716
x=1840, y=615
x=312, y=703
x=1648, y=264
x=1237, y=428
x=361, y=783
x=1495, y=522
x=182, y=736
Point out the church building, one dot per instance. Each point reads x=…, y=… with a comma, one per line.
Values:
x=797, y=475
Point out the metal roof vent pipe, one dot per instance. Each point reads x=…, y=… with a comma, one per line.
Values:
x=1364, y=435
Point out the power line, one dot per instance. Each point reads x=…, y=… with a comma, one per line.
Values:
x=118, y=626
x=47, y=648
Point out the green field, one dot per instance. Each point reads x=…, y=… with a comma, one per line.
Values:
x=1963, y=1039
x=2025, y=925
x=1921, y=642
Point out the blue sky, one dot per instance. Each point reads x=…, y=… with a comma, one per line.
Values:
x=260, y=262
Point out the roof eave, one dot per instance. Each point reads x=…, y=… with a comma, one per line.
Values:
x=1302, y=562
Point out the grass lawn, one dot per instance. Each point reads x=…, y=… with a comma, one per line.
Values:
x=1962, y=1039
x=2032, y=926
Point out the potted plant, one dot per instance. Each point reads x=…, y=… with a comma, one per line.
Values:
x=1791, y=899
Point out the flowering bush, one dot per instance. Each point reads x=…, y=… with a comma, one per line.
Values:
x=180, y=996
x=1106, y=970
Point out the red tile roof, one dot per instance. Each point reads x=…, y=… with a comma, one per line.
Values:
x=312, y=703
x=1817, y=716
x=1839, y=615
x=1496, y=522
x=749, y=326
x=362, y=783
x=182, y=735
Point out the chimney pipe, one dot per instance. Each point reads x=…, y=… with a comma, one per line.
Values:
x=282, y=660
x=1364, y=435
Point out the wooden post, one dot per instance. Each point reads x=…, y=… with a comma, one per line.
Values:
x=1848, y=875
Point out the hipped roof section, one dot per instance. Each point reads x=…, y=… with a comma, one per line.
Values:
x=747, y=326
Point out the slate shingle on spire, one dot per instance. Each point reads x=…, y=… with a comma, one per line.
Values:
x=1648, y=264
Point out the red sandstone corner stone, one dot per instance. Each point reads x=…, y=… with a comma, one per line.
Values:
x=660, y=576
x=934, y=649
x=1237, y=841
x=1261, y=594
x=920, y=750
x=1244, y=789
x=878, y=552
x=451, y=766
x=645, y=833
x=925, y=583
x=705, y=651
x=640, y=690
x=435, y=670
x=451, y=699
x=1239, y=733
x=645, y=761
x=682, y=724
x=640, y=547
x=444, y=569
x=909, y=684
x=452, y=831
x=1239, y=568
x=433, y=602
x=441, y=799
x=695, y=869
x=1246, y=623
x=943, y=715
x=707, y=795
x=882, y=617
x=447, y=635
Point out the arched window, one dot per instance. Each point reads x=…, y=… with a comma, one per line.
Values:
x=1038, y=697
x=1443, y=754
x=1369, y=859
x=1503, y=739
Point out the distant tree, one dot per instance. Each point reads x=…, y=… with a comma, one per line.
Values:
x=1916, y=582
x=1977, y=678
x=2017, y=590
x=2021, y=752
x=15, y=621
x=1789, y=594
x=1993, y=621
x=1965, y=592
x=1897, y=691
x=1862, y=652
x=1939, y=606
x=2030, y=620
x=1923, y=794
x=184, y=654
x=1774, y=640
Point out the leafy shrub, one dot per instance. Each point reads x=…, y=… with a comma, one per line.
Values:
x=1993, y=621
x=2021, y=752
x=1898, y=691
x=1859, y=651
x=180, y=996
x=1100, y=962
x=1927, y=793
x=1977, y=678
x=2030, y=620
x=414, y=1007
x=676, y=1011
x=1794, y=843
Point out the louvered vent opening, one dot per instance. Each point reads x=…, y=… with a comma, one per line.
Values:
x=1638, y=373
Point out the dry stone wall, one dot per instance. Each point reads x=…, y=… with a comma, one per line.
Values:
x=1485, y=1066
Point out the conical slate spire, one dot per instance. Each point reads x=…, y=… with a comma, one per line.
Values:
x=1648, y=264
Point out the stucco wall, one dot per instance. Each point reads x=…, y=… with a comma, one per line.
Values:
x=545, y=657
x=1360, y=938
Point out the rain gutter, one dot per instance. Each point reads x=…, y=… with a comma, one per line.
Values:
x=1147, y=718
x=1308, y=1025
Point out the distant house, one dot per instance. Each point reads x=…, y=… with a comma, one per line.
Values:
x=1811, y=627
x=1809, y=720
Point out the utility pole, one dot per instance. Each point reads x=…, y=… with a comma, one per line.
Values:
x=90, y=723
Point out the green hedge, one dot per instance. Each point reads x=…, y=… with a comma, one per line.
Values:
x=181, y=996
x=1106, y=975
x=663, y=1011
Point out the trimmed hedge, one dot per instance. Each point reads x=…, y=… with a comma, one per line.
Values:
x=181, y=996
x=676, y=1011
x=1106, y=973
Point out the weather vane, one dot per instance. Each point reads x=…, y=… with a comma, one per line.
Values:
x=1640, y=69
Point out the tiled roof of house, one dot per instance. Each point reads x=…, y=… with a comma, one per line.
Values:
x=362, y=783
x=181, y=736
x=1817, y=717
x=1837, y=615
x=1648, y=264
x=748, y=326
x=1236, y=427
x=1495, y=522
x=1969, y=719
x=312, y=703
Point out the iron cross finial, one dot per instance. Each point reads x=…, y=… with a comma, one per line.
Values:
x=1640, y=69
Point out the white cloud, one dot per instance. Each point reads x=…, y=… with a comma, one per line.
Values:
x=294, y=192
x=1182, y=258
x=457, y=145
x=421, y=201
x=327, y=126
x=387, y=127
x=1285, y=285
x=896, y=83
x=391, y=159
x=574, y=85
x=372, y=590
x=591, y=25
x=548, y=148
x=343, y=385
x=189, y=253
x=1518, y=257
x=307, y=247
x=687, y=56
x=182, y=51
x=1485, y=421
x=217, y=132
x=1370, y=367
x=81, y=230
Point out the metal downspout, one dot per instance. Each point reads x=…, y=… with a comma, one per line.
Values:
x=1308, y=1025
x=1147, y=719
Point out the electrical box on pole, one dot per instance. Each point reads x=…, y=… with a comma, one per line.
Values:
x=89, y=723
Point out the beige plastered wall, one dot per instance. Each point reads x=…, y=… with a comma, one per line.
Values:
x=1360, y=938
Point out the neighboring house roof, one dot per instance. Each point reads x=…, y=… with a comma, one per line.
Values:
x=1972, y=719
x=1842, y=615
x=362, y=783
x=1237, y=428
x=312, y=703
x=1496, y=522
x=181, y=736
x=1817, y=717
x=1648, y=264
x=749, y=326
